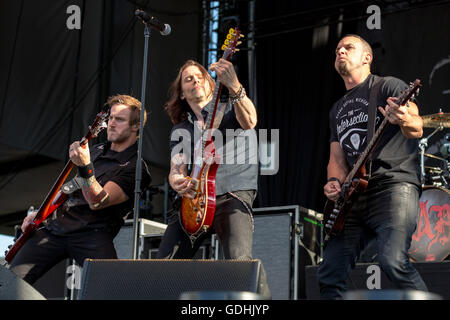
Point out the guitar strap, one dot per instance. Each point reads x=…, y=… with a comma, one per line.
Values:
x=374, y=88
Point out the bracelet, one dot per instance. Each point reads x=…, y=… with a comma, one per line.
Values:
x=239, y=96
x=334, y=179
x=86, y=171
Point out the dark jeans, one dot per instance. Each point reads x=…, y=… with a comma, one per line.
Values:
x=389, y=213
x=232, y=223
x=44, y=250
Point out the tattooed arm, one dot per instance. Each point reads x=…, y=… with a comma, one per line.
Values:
x=406, y=116
x=98, y=197
x=178, y=178
x=245, y=109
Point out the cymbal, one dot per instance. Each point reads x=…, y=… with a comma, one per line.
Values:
x=429, y=155
x=436, y=119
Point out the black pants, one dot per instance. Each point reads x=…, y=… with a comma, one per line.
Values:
x=44, y=250
x=389, y=213
x=232, y=223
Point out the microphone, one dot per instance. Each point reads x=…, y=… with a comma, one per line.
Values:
x=153, y=22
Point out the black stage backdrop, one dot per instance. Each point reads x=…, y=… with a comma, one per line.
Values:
x=297, y=83
x=54, y=80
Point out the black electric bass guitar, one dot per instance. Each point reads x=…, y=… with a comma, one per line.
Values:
x=356, y=181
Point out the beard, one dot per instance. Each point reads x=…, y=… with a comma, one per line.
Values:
x=199, y=95
x=343, y=69
x=116, y=137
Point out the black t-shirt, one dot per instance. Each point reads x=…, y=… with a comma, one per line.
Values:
x=238, y=169
x=109, y=165
x=395, y=157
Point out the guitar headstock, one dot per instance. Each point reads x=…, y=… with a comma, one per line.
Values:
x=100, y=123
x=231, y=42
x=410, y=92
x=413, y=85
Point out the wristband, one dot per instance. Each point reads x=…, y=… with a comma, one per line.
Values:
x=86, y=171
x=239, y=96
x=334, y=179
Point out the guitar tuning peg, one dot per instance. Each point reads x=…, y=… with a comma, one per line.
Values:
x=241, y=36
x=239, y=42
x=236, y=49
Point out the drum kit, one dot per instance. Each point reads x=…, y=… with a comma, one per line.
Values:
x=431, y=240
x=437, y=176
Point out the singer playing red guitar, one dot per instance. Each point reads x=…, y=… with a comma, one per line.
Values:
x=235, y=184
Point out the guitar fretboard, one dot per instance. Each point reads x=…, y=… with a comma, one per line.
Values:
x=211, y=115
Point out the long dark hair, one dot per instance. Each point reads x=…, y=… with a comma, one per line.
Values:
x=176, y=107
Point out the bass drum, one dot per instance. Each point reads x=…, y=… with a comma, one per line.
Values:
x=431, y=240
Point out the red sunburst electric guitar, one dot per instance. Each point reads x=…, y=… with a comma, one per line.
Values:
x=197, y=214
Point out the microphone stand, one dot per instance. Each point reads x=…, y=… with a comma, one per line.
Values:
x=137, y=188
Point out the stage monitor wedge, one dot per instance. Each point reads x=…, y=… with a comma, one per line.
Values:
x=14, y=288
x=164, y=279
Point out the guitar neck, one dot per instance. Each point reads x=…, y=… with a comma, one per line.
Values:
x=212, y=115
x=401, y=100
x=44, y=208
x=229, y=47
x=368, y=151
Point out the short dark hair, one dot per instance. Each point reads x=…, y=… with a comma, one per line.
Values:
x=367, y=47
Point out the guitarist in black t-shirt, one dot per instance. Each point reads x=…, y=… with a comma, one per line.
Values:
x=98, y=198
x=388, y=208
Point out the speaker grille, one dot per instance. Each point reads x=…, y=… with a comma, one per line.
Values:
x=165, y=279
x=272, y=244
